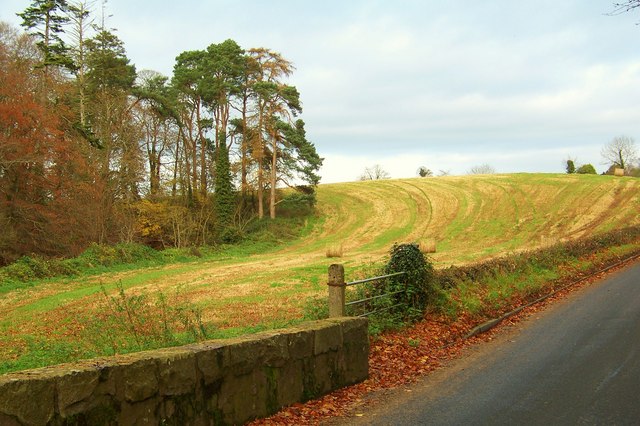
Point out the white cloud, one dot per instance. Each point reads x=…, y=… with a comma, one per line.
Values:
x=448, y=85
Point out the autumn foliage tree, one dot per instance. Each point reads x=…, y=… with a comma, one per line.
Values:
x=43, y=176
x=92, y=150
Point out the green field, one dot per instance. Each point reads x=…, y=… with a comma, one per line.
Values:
x=470, y=218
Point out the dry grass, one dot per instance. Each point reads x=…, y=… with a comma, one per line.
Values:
x=335, y=251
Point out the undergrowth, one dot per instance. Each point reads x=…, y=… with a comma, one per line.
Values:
x=126, y=322
x=97, y=258
x=140, y=321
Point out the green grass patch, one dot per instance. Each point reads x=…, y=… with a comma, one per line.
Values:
x=487, y=288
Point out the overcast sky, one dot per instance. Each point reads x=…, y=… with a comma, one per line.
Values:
x=445, y=84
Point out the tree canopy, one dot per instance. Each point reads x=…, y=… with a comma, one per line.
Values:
x=117, y=154
x=586, y=169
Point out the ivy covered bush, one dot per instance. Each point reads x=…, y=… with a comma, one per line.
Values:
x=417, y=284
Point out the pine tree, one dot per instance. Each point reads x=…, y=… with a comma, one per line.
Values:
x=45, y=20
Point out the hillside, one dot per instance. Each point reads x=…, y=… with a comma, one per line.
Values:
x=470, y=218
x=473, y=217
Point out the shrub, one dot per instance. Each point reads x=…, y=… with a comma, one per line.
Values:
x=416, y=284
x=586, y=169
x=104, y=255
x=29, y=268
x=297, y=204
x=20, y=270
x=414, y=290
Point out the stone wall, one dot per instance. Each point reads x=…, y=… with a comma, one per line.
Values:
x=215, y=382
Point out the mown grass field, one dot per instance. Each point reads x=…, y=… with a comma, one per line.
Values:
x=471, y=218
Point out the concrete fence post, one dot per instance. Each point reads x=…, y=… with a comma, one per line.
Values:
x=336, y=286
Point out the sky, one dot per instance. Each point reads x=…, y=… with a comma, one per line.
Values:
x=445, y=84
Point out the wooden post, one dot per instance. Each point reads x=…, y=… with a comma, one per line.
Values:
x=336, y=291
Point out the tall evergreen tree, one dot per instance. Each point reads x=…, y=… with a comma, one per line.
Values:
x=301, y=160
x=190, y=84
x=224, y=69
x=109, y=67
x=45, y=19
x=270, y=70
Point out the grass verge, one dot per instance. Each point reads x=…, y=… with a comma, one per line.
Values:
x=491, y=288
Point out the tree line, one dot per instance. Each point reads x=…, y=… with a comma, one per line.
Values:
x=620, y=156
x=91, y=150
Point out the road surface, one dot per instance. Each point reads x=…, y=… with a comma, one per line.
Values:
x=576, y=363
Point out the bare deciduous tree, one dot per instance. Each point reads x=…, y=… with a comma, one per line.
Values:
x=483, y=169
x=621, y=152
x=374, y=172
x=625, y=6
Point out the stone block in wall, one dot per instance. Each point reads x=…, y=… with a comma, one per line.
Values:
x=327, y=336
x=75, y=389
x=325, y=373
x=28, y=398
x=140, y=413
x=136, y=377
x=176, y=371
x=355, y=350
x=209, y=361
x=289, y=384
x=300, y=343
x=243, y=397
x=241, y=355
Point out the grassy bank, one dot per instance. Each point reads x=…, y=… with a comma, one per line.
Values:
x=491, y=288
x=134, y=321
x=486, y=289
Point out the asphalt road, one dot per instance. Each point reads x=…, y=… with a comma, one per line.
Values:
x=577, y=362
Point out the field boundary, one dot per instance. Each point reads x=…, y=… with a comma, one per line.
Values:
x=227, y=381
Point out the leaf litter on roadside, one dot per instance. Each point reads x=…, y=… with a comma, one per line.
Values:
x=402, y=357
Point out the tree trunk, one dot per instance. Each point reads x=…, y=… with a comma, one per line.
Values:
x=244, y=152
x=274, y=161
x=259, y=154
x=260, y=194
x=203, y=159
